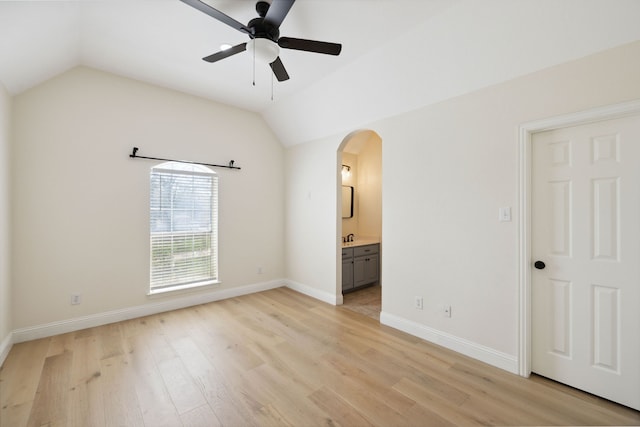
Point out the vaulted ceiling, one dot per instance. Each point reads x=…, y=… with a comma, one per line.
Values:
x=397, y=55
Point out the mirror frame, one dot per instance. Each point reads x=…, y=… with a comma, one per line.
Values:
x=347, y=201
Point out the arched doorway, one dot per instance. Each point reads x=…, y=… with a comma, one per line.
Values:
x=359, y=222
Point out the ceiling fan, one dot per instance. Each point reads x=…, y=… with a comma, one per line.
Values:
x=264, y=34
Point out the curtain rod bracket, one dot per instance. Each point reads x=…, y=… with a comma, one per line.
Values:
x=134, y=155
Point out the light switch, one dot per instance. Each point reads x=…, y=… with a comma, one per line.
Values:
x=505, y=214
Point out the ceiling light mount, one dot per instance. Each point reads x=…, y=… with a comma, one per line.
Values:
x=262, y=7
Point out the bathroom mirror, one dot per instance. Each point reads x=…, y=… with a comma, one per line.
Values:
x=347, y=201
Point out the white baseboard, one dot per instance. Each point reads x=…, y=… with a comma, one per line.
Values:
x=468, y=348
x=99, y=319
x=314, y=293
x=5, y=347
x=460, y=345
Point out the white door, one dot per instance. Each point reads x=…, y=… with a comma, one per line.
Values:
x=586, y=230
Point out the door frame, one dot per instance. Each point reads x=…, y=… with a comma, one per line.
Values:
x=525, y=133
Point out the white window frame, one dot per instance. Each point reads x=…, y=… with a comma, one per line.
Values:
x=172, y=280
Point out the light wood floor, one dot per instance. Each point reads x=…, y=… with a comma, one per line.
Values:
x=276, y=358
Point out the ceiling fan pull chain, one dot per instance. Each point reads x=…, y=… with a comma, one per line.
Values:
x=254, y=63
x=271, y=86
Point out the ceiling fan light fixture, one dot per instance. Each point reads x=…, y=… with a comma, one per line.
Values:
x=225, y=46
x=266, y=51
x=264, y=34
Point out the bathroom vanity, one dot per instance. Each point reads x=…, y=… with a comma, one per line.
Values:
x=360, y=264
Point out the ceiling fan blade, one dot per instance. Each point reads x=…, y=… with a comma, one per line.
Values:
x=215, y=13
x=226, y=53
x=278, y=11
x=278, y=69
x=310, y=45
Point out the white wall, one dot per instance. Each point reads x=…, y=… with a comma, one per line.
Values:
x=80, y=205
x=447, y=170
x=370, y=188
x=350, y=225
x=5, y=228
x=311, y=214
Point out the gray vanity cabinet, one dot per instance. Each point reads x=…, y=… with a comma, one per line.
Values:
x=347, y=269
x=360, y=266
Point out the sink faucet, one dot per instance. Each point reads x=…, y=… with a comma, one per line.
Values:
x=350, y=237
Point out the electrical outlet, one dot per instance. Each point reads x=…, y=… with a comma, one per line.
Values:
x=446, y=310
x=76, y=299
x=418, y=303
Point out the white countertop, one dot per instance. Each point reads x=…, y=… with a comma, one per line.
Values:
x=360, y=242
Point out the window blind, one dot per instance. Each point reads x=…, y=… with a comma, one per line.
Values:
x=183, y=223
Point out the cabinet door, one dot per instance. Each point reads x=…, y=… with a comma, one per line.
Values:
x=360, y=271
x=347, y=274
x=365, y=270
x=371, y=270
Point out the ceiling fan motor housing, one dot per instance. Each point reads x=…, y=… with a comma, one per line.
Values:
x=260, y=28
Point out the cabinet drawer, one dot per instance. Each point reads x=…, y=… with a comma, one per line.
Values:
x=347, y=253
x=365, y=250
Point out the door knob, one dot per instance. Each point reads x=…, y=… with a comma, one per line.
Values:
x=539, y=265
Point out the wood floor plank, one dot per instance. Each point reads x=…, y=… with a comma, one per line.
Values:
x=154, y=395
x=202, y=416
x=219, y=382
x=58, y=344
x=350, y=366
x=445, y=409
x=50, y=403
x=19, y=378
x=512, y=392
x=341, y=411
x=157, y=342
x=275, y=358
x=110, y=338
x=286, y=397
x=601, y=408
x=301, y=363
x=184, y=393
x=351, y=386
x=121, y=406
x=85, y=402
x=420, y=412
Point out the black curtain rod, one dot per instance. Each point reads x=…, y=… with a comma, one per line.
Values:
x=134, y=155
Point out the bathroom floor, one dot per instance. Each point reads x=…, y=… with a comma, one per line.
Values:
x=366, y=301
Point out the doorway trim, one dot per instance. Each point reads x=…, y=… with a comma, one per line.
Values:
x=339, y=152
x=525, y=133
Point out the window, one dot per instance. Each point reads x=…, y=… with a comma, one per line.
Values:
x=184, y=226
